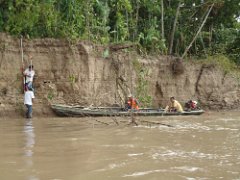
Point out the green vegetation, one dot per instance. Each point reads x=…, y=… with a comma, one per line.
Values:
x=50, y=95
x=157, y=26
x=142, y=91
x=106, y=53
x=222, y=62
x=72, y=79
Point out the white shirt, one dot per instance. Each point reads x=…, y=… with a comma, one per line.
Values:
x=28, y=96
x=29, y=73
x=195, y=102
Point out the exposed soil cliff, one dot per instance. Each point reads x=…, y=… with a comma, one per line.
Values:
x=88, y=74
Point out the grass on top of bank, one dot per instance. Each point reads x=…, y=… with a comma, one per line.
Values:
x=222, y=62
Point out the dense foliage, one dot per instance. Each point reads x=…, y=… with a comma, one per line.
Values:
x=153, y=24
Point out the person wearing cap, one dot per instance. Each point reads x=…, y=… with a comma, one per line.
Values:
x=28, y=101
x=173, y=106
x=191, y=105
x=29, y=74
x=132, y=103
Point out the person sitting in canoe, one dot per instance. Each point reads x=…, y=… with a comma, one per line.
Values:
x=132, y=103
x=191, y=105
x=173, y=106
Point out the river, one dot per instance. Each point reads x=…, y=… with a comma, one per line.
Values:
x=191, y=147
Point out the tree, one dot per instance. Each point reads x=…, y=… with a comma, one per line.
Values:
x=155, y=25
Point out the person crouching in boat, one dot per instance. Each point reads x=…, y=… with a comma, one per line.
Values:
x=132, y=103
x=173, y=106
x=191, y=105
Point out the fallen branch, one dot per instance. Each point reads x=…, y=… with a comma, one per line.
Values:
x=151, y=122
x=102, y=122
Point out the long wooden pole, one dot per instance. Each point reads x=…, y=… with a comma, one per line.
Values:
x=199, y=30
x=21, y=46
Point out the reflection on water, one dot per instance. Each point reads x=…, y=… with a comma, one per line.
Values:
x=29, y=146
x=29, y=133
x=193, y=147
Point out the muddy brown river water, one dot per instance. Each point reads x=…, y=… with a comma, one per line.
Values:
x=194, y=147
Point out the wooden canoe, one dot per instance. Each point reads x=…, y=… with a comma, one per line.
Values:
x=80, y=111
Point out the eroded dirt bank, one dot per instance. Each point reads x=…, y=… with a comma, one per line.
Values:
x=88, y=74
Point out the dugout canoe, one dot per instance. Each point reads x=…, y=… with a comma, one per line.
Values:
x=81, y=111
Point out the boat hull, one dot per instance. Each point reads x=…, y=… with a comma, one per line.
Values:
x=79, y=111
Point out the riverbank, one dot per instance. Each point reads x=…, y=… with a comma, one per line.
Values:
x=89, y=74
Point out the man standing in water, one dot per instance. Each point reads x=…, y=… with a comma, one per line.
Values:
x=28, y=101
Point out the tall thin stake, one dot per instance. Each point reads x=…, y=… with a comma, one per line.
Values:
x=21, y=46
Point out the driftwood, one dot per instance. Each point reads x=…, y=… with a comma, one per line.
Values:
x=102, y=122
x=158, y=123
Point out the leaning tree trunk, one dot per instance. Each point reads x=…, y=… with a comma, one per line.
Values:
x=162, y=19
x=199, y=30
x=174, y=28
x=210, y=35
x=136, y=16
